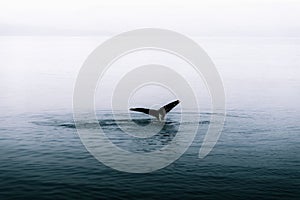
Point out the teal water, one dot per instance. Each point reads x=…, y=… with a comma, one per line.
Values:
x=257, y=157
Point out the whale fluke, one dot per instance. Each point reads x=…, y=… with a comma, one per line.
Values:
x=160, y=113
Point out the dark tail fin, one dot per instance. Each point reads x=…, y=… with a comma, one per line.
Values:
x=151, y=112
x=167, y=108
x=159, y=114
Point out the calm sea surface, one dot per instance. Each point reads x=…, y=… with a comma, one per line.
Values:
x=256, y=157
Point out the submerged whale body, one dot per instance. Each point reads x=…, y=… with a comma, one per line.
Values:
x=160, y=113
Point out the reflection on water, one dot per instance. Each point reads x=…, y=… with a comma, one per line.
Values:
x=119, y=131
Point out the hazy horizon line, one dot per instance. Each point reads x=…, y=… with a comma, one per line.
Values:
x=25, y=30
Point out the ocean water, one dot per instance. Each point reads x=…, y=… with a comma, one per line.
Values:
x=256, y=157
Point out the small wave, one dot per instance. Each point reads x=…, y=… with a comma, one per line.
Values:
x=67, y=125
x=204, y=122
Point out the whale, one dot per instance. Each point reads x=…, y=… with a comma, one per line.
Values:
x=160, y=113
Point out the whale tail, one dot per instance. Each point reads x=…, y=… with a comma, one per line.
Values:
x=160, y=113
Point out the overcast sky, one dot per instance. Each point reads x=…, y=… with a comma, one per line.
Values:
x=199, y=18
x=40, y=72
